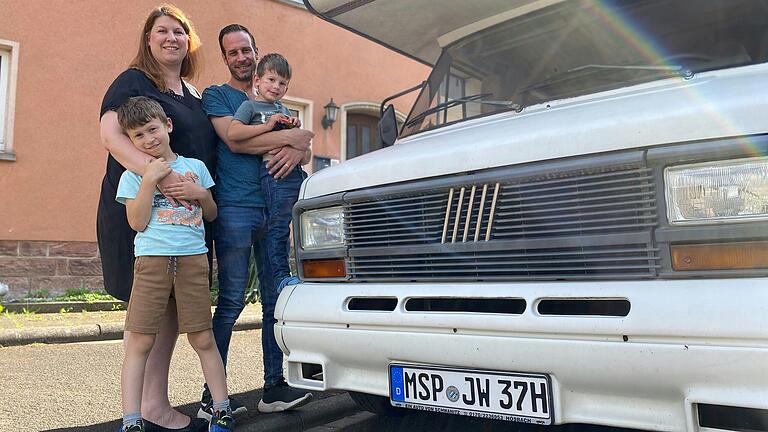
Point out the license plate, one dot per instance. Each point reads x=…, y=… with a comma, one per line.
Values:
x=520, y=397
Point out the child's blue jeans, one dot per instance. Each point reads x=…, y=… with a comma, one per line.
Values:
x=280, y=194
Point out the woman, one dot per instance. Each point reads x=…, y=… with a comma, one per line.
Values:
x=167, y=55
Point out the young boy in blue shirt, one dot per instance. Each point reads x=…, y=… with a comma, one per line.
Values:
x=263, y=115
x=171, y=263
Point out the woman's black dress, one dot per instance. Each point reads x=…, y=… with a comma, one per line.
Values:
x=192, y=136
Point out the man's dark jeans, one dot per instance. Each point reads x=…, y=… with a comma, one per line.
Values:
x=237, y=231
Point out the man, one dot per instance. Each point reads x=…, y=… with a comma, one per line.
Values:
x=241, y=223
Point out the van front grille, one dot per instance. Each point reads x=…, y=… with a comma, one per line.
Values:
x=614, y=262
x=589, y=223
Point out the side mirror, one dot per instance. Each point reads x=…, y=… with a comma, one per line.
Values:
x=388, y=127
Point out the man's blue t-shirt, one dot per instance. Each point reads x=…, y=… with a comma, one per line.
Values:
x=171, y=231
x=237, y=175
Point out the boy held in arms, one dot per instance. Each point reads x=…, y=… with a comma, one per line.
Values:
x=263, y=115
x=171, y=263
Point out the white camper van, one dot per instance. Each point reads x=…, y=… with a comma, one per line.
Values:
x=571, y=225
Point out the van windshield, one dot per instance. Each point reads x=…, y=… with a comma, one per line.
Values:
x=587, y=46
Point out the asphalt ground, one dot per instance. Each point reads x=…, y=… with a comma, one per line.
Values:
x=75, y=386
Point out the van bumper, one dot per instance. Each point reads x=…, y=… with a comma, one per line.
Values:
x=683, y=343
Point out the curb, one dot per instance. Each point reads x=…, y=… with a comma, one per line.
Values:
x=56, y=307
x=86, y=333
x=309, y=416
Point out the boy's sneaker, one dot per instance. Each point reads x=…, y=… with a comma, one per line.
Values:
x=206, y=406
x=280, y=397
x=288, y=280
x=221, y=422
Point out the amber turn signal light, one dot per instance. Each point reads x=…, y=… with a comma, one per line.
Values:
x=329, y=268
x=720, y=256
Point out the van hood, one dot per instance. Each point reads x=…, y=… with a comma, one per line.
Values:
x=418, y=28
x=715, y=104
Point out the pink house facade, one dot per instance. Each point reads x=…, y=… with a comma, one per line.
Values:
x=57, y=61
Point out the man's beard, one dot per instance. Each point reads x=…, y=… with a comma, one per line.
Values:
x=237, y=75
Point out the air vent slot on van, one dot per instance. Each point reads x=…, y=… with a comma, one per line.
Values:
x=511, y=306
x=312, y=371
x=376, y=304
x=733, y=418
x=576, y=306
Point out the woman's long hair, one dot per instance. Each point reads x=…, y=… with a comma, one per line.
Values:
x=145, y=62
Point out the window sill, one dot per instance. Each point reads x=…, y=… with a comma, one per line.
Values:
x=7, y=156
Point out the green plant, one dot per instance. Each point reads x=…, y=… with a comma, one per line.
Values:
x=214, y=294
x=251, y=287
x=38, y=294
x=1, y=308
x=84, y=294
x=74, y=292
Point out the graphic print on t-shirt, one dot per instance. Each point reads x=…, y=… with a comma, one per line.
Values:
x=167, y=214
x=192, y=176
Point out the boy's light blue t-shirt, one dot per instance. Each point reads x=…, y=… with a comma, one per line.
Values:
x=171, y=231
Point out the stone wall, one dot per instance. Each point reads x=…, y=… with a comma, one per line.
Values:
x=32, y=267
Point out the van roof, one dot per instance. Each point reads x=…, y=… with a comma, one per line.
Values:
x=419, y=28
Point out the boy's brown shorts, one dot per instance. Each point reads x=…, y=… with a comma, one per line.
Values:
x=158, y=280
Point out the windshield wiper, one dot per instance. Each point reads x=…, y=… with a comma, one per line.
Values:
x=679, y=70
x=673, y=68
x=453, y=102
x=683, y=72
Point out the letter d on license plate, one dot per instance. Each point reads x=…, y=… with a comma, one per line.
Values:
x=520, y=397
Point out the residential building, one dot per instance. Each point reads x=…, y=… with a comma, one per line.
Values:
x=57, y=60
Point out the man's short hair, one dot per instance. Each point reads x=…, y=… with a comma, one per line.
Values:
x=276, y=63
x=234, y=28
x=138, y=111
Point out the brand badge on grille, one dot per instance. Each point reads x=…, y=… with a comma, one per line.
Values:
x=474, y=212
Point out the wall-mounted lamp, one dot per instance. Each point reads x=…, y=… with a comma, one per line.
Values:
x=331, y=111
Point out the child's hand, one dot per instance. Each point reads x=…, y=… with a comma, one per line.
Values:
x=294, y=122
x=156, y=170
x=186, y=190
x=173, y=178
x=274, y=119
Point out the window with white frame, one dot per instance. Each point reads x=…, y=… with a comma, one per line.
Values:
x=301, y=109
x=321, y=162
x=8, y=61
x=5, y=61
x=296, y=112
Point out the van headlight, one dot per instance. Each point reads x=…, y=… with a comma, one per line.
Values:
x=716, y=192
x=322, y=228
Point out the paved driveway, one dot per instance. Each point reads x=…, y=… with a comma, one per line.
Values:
x=71, y=386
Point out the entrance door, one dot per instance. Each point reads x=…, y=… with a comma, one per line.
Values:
x=361, y=135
